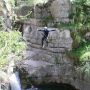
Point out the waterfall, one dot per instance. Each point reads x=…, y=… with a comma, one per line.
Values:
x=15, y=81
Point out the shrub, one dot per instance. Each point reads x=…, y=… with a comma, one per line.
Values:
x=10, y=43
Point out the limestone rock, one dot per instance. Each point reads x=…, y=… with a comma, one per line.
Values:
x=60, y=10
x=50, y=64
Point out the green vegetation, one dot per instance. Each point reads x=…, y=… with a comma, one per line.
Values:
x=47, y=20
x=12, y=2
x=79, y=26
x=80, y=21
x=81, y=53
x=25, y=17
x=37, y=1
x=10, y=44
x=80, y=12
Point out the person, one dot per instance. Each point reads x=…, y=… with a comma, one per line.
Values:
x=45, y=35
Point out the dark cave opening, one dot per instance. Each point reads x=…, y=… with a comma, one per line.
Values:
x=54, y=86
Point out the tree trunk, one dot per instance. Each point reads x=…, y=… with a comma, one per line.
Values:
x=7, y=16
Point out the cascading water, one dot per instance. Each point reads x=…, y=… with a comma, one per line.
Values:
x=15, y=81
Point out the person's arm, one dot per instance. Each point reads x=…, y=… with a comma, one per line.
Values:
x=52, y=30
x=40, y=29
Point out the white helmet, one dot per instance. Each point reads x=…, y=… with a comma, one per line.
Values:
x=45, y=27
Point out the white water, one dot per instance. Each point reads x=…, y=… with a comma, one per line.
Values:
x=15, y=81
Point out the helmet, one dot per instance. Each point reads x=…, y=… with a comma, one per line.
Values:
x=45, y=27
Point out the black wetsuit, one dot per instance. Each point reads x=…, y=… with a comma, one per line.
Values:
x=45, y=35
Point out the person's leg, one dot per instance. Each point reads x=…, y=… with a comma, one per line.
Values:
x=46, y=42
x=42, y=41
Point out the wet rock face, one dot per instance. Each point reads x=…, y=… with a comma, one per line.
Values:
x=48, y=64
x=60, y=9
x=23, y=10
x=4, y=81
x=54, y=11
x=51, y=63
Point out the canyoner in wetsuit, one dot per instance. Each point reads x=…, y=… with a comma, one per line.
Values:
x=45, y=35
